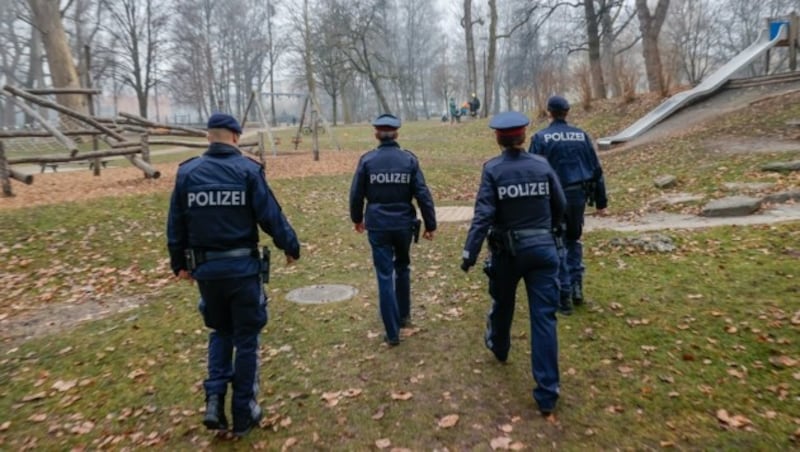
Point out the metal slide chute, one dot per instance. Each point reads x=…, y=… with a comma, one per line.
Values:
x=708, y=86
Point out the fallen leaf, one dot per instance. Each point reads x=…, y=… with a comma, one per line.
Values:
x=736, y=421
x=506, y=428
x=5, y=425
x=783, y=361
x=353, y=392
x=41, y=417
x=289, y=443
x=448, y=421
x=331, y=398
x=666, y=444
x=286, y=422
x=136, y=373
x=383, y=443
x=379, y=414
x=516, y=445
x=735, y=373
x=62, y=386
x=402, y=395
x=32, y=397
x=625, y=370
x=501, y=442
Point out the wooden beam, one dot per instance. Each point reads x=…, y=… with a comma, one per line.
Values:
x=77, y=158
x=5, y=176
x=68, y=143
x=148, y=123
x=67, y=111
x=26, y=179
x=188, y=144
x=44, y=134
x=40, y=91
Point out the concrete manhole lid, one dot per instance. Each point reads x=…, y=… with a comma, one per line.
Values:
x=322, y=293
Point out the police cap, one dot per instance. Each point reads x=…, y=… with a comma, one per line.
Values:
x=386, y=121
x=557, y=103
x=509, y=123
x=224, y=121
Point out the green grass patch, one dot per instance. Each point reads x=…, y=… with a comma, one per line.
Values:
x=668, y=341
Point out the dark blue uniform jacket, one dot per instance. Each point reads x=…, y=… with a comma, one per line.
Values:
x=388, y=178
x=219, y=200
x=571, y=154
x=518, y=191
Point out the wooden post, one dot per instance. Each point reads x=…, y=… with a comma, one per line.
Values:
x=95, y=142
x=315, y=137
x=794, y=25
x=300, y=127
x=60, y=137
x=145, y=138
x=5, y=178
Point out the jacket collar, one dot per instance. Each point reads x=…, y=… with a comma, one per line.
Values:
x=559, y=121
x=222, y=149
x=388, y=144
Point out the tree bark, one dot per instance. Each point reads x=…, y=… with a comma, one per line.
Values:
x=593, y=39
x=47, y=19
x=469, y=39
x=609, y=60
x=491, y=58
x=650, y=27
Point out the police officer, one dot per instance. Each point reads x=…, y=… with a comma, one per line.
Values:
x=388, y=177
x=219, y=201
x=518, y=203
x=571, y=154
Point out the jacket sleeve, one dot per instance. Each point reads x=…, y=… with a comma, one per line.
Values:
x=270, y=218
x=177, y=234
x=358, y=190
x=601, y=199
x=485, y=208
x=537, y=146
x=424, y=199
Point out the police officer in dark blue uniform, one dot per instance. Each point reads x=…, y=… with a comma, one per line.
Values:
x=519, y=202
x=388, y=178
x=219, y=201
x=571, y=154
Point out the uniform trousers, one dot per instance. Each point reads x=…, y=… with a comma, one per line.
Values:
x=236, y=309
x=390, y=255
x=537, y=265
x=571, y=266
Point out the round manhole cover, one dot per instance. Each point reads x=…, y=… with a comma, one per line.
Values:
x=322, y=293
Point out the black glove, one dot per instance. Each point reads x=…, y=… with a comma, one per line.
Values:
x=466, y=264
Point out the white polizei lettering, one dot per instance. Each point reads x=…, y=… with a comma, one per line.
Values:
x=390, y=178
x=528, y=189
x=564, y=136
x=216, y=198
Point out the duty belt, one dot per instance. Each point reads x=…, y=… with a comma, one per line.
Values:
x=196, y=257
x=236, y=252
x=523, y=233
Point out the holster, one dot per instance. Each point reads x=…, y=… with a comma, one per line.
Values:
x=500, y=242
x=415, y=229
x=191, y=261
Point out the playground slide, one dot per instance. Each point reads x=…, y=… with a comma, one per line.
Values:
x=708, y=86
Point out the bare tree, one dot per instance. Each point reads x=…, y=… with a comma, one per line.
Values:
x=138, y=30
x=467, y=23
x=46, y=18
x=650, y=27
x=593, y=39
x=692, y=29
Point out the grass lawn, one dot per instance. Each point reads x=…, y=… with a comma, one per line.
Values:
x=694, y=349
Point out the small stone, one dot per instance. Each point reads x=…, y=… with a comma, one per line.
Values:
x=782, y=167
x=732, y=206
x=782, y=197
x=665, y=181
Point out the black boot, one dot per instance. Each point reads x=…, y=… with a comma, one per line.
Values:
x=215, y=413
x=565, y=303
x=577, y=293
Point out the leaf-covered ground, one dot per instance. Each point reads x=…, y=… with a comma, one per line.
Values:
x=693, y=349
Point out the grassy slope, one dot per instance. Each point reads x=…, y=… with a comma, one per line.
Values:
x=670, y=340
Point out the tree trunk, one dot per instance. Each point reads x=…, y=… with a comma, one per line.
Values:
x=650, y=27
x=490, y=58
x=609, y=59
x=593, y=39
x=47, y=19
x=469, y=39
x=383, y=104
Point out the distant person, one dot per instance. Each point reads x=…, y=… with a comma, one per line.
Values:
x=389, y=178
x=571, y=154
x=464, y=109
x=455, y=113
x=519, y=201
x=474, y=105
x=219, y=202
